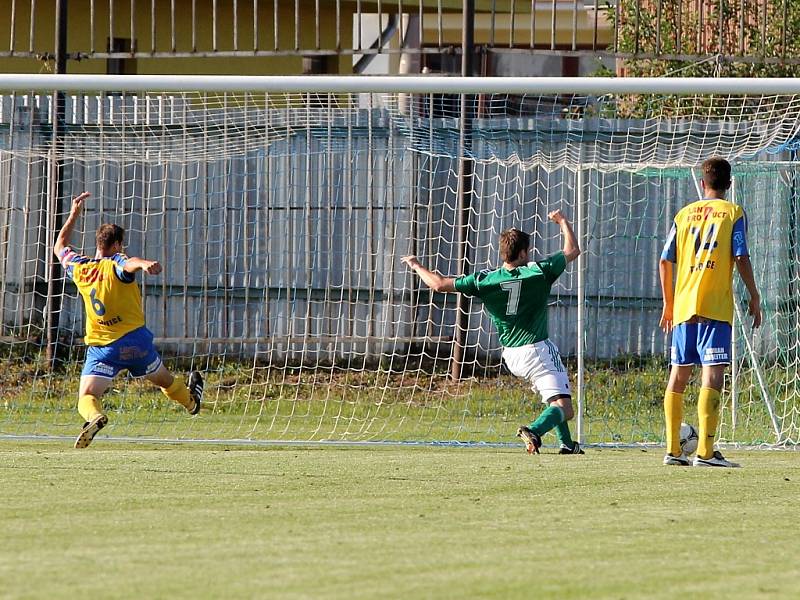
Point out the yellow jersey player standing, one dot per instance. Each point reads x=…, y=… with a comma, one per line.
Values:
x=707, y=239
x=116, y=335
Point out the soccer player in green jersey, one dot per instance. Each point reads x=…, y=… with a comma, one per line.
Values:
x=515, y=296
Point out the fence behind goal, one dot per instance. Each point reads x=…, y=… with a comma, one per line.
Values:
x=280, y=218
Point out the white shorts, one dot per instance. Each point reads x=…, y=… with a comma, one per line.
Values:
x=539, y=363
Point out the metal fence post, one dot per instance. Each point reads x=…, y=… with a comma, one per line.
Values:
x=464, y=184
x=54, y=217
x=579, y=348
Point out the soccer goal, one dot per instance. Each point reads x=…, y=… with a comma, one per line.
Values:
x=280, y=207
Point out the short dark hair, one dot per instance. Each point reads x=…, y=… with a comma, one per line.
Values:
x=717, y=173
x=107, y=234
x=512, y=242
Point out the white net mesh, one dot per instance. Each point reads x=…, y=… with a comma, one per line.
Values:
x=280, y=220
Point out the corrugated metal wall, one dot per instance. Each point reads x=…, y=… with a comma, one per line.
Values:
x=290, y=251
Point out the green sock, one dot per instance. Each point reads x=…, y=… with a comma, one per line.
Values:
x=552, y=416
x=563, y=434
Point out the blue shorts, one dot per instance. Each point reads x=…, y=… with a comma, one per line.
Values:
x=704, y=343
x=133, y=351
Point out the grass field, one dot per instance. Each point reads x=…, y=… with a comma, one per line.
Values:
x=137, y=521
x=622, y=405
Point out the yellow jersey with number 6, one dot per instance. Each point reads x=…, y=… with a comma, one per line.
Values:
x=704, y=239
x=111, y=298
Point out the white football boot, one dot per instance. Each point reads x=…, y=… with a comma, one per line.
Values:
x=716, y=460
x=681, y=460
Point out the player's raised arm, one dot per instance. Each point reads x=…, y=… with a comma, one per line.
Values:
x=571, y=248
x=63, y=239
x=433, y=280
x=134, y=264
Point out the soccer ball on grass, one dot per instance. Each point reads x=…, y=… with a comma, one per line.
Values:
x=689, y=438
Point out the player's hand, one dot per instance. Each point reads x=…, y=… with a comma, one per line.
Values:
x=666, y=319
x=77, y=203
x=153, y=267
x=754, y=310
x=556, y=216
x=411, y=261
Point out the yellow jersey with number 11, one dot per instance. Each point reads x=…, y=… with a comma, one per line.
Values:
x=704, y=239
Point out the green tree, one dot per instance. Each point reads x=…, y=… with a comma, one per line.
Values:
x=749, y=38
x=721, y=38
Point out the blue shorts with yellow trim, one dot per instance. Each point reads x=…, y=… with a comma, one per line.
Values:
x=703, y=343
x=133, y=351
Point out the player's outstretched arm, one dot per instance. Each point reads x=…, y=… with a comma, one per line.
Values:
x=571, y=248
x=433, y=280
x=63, y=239
x=745, y=269
x=134, y=264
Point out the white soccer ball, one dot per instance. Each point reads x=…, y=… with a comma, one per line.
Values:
x=689, y=439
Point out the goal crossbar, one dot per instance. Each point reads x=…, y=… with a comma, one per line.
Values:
x=399, y=84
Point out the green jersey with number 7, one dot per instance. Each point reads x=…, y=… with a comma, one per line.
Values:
x=516, y=299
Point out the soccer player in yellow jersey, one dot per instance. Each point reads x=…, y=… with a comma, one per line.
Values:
x=707, y=239
x=115, y=332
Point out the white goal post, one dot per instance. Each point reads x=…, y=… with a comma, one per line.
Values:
x=424, y=84
x=280, y=207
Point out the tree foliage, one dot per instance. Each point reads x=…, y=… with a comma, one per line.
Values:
x=719, y=38
x=704, y=38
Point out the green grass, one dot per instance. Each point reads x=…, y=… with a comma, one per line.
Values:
x=622, y=404
x=189, y=521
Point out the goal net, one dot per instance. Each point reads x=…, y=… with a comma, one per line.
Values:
x=280, y=207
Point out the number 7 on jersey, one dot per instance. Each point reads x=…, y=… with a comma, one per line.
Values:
x=513, y=288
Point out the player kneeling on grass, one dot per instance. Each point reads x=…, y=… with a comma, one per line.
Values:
x=515, y=296
x=707, y=238
x=115, y=332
